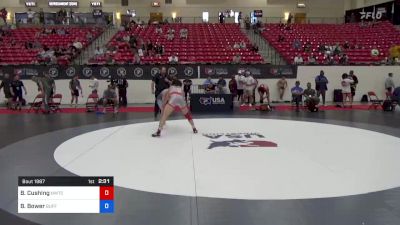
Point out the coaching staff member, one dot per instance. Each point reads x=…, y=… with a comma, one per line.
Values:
x=160, y=82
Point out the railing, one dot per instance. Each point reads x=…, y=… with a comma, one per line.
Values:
x=312, y=20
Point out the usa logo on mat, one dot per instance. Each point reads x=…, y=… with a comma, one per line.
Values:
x=238, y=140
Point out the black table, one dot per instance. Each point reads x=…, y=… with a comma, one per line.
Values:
x=211, y=103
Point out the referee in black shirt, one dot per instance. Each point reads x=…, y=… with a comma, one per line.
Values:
x=159, y=83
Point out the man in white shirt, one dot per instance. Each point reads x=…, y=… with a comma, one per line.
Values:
x=77, y=44
x=389, y=84
x=31, y=15
x=249, y=86
x=94, y=85
x=240, y=85
x=298, y=60
x=173, y=59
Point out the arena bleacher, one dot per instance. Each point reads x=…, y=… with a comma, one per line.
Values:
x=14, y=49
x=212, y=43
x=382, y=36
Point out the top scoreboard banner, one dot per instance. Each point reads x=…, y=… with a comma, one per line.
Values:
x=65, y=181
x=66, y=4
x=147, y=72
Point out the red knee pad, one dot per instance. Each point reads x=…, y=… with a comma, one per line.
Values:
x=188, y=116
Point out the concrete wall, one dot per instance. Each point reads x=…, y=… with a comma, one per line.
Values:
x=370, y=78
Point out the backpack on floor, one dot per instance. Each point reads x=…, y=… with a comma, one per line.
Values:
x=364, y=98
x=337, y=95
x=387, y=106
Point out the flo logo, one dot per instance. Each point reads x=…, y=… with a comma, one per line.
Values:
x=238, y=140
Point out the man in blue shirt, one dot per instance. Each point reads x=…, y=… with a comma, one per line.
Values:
x=321, y=85
x=396, y=95
x=297, y=93
x=209, y=85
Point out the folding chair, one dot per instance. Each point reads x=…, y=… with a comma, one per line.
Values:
x=91, y=103
x=37, y=103
x=55, y=102
x=375, y=101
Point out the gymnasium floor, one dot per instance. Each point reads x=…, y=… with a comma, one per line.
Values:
x=248, y=167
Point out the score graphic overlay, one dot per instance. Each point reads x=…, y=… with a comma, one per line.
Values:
x=65, y=195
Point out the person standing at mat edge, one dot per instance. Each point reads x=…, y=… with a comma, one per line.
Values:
x=17, y=87
x=122, y=85
x=389, y=84
x=75, y=87
x=6, y=85
x=47, y=87
x=94, y=85
x=159, y=83
x=353, y=86
x=282, y=85
x=321, y=85
x=346, y=89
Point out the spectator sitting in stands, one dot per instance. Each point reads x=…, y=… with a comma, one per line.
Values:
x=170, y=36
x=149, y=46
x=126, y=38
x=184, y=33
x=312, y=60
x=28, y=45
x=136, y=58
x=242, y=45
x=329, y=60
x=77, y=45
x=159, y=30
x=61, y=31
x=173, y=59
x=159, y=49
x=344, y=59
x=307, y=47
x=346, y=45
x=111, y=49
x=110, y=60
x=321, y=48
x=236, y=45
x=281, y=38
x=298, y=60
x=99, y=51
x=140, y=52
x=254, y=48
x=237, y=59
x=89, y=36
x=296, y=44
x=171, y=31
x=337, y=50
x=374, y=52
